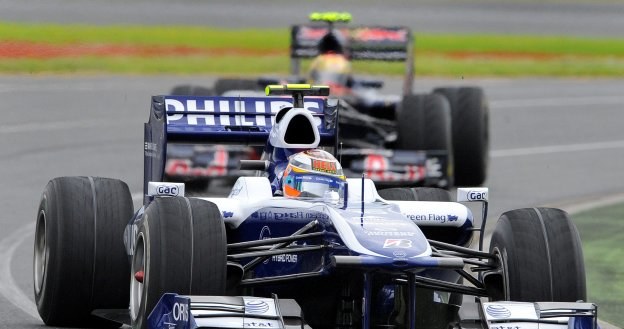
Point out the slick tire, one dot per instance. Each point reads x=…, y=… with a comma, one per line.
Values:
x=180, y=248
x=541, y=257
x=80, y=262
x=189, y=90
x=223, y=85
x=470, y=130
x=424, y=123
x=415, y=194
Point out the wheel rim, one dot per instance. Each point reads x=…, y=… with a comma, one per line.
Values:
x=501, y=258
x=41, y=253
x=136, y=287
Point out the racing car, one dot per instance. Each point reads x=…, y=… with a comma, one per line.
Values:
x=297, y=246
x=438, y=139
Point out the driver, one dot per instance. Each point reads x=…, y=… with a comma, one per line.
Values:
x=313, y=174
x=333, y=70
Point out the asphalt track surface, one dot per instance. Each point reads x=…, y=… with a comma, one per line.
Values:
x=554, y=17
x=553, y=142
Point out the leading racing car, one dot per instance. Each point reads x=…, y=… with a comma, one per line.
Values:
x=297, y=246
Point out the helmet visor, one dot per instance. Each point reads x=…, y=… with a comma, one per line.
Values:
x=305, y=185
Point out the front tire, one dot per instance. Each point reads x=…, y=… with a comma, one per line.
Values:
x=180, y=248
x=541, y=255
x=80, y=262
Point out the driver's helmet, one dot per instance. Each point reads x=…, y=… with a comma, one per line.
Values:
x=333, y=70
x=313, y=174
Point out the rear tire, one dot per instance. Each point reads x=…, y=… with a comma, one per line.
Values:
x=80, y=262
x=541, y=255
x=424, y=123
x=181, y=248
x=470, y=130
x=223, y=85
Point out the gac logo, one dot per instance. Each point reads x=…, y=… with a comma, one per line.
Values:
x=168, y=190
x=477, y=196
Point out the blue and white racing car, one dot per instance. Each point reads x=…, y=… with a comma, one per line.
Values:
x=298, y=245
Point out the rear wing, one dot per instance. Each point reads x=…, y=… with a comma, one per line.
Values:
x=361, y=43
x=221, y=120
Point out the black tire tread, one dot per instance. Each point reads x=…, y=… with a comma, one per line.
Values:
x=179, y=225
x=543, y=254
x=470, y=131
x=86, y=271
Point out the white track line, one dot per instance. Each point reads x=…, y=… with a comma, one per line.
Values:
x=556, y=149
x=538, y=103
x=8, y=286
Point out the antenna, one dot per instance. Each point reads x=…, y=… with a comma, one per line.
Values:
x=340, y=154
x=362, y=215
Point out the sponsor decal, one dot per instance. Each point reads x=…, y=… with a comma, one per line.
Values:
x=227, y=214
x=229, y=111
x=388, y=233
x=477, y=195
x=397, y=243
x=498, y=311
x=167, y=190
x=324, y=166
x=284, y=258
x=256, y=306
x=376, y=34
x=147, y=146
x=180, y=312
x=432, y=218
x=282, y=215
x=314, y=33
x=258, y=324
x=399, y=254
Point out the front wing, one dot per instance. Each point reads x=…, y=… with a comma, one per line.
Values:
x=189, y=312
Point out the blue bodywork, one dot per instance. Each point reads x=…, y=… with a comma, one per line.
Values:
x=220, y=120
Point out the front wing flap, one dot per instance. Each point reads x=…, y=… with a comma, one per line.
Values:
x=189, y=312
x=547, y=315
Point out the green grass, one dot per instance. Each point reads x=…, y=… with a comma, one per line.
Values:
x=261, y=51
x=241, y=66
x=602, y=231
